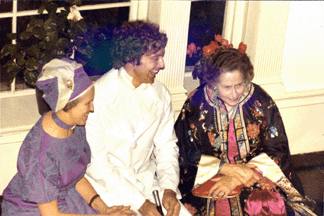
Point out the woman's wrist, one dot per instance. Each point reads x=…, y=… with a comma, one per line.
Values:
x=100, y=206
x=221, y=164
x=97, y=203
x=223, y=168
x=93, y=199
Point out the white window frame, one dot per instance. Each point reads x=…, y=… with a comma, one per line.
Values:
x=233, y=31
x=137, y=10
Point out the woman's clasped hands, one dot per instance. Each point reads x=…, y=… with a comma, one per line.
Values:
x=233, y=176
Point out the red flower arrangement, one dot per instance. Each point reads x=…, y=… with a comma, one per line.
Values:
x=210, y=49
x=213, y=46
x=220, y=42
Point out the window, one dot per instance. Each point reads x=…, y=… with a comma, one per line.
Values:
x=206, y=21
x=15, y=15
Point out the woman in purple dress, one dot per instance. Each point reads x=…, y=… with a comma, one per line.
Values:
x=54, y=155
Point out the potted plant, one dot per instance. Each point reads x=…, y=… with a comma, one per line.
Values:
x=52, y=35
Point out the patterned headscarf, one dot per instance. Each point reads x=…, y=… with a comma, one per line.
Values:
x=62, y=80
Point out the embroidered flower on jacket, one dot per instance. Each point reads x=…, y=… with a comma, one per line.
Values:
x=273, y=131
x=190, y=208
x=253, y=130
x=185, y=171
x=202, y=114
x=186, y=107
x=272, y=103
x=257, y=111
x=183, y=114
x=211, y=137
x=257, y=103
x=264, y=124
x=203, y=126
x=190, y=136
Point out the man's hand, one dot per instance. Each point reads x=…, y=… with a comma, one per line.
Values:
x=149, y=208
x=171, y=203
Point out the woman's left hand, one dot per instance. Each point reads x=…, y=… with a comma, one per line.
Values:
x=223, y=187
x=242, y=172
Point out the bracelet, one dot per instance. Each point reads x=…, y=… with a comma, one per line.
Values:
x=93, y=198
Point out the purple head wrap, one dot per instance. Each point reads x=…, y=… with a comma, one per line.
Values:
x=62, y=80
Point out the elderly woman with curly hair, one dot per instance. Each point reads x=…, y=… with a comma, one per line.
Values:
x=231, y=126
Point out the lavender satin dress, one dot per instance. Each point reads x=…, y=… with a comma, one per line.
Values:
x=48, y=169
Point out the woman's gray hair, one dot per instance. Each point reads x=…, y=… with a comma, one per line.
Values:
x=227, y=60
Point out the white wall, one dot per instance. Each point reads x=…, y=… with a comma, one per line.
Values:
x=18, y=115
x=303, y=76
x=303, y=61
x=304, y=128
x=8, y=160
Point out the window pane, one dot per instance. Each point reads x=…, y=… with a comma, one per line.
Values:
x=29, y=5
x=22, y=23
x=206, y=21
x=108, y=17
x=35, y=4
x=102, y=2
x=5, y=6
x=5, y=27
